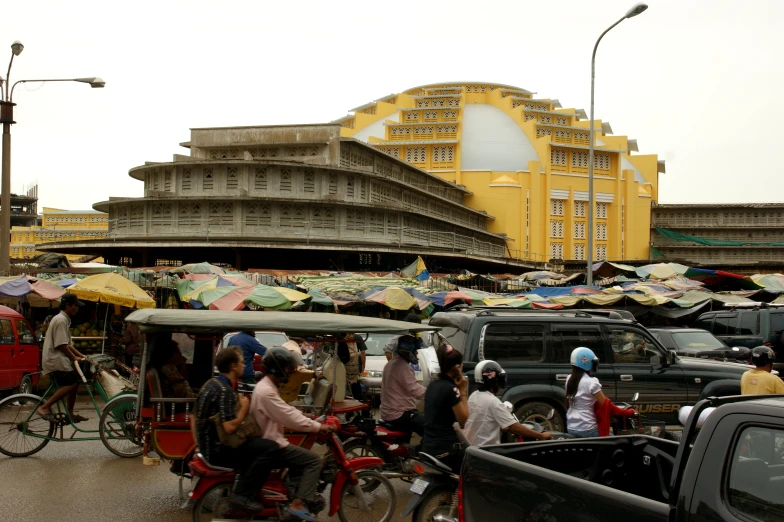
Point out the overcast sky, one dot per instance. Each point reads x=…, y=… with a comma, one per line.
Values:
x=696, y=82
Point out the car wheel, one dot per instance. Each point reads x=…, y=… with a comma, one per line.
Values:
x=537, y=412
x=25, y=386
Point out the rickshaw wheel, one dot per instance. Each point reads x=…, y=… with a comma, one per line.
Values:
x=16, y=439
x=118, y=427
x=213, y=504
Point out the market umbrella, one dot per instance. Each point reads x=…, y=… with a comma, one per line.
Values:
x=278, y=298
x=393, y=297
x=443, y=299
x=111, y=288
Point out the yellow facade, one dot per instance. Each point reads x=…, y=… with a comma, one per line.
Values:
x=525, y=161
x=58, y=225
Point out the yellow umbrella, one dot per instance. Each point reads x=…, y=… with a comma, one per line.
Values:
x=112, y=288
x=291, y=294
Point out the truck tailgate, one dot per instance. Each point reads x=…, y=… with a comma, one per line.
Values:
x=500, y=488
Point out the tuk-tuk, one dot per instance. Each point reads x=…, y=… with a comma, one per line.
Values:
x=163, y=423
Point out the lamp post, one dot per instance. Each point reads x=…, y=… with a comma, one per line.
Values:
x=634, y=11
x=7, y=119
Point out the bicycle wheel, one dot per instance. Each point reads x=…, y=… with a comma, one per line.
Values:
x=118, y=427
x=22, y=431
x=380, y=502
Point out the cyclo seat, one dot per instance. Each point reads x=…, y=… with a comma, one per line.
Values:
x=435, y=462
x=200, y=465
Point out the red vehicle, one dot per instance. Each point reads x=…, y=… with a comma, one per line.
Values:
x=20, y=356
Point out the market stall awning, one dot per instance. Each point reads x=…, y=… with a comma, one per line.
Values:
x=112, y=288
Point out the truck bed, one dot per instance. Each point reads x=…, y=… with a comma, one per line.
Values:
x=601, y=479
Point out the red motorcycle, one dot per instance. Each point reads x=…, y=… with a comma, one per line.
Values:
x=358, y=493
x=365, y=437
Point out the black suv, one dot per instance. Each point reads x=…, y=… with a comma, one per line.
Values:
x=534, y=346
x=749, y=327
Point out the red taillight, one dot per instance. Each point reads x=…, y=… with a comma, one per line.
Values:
x=768, y=344
x=460, y=514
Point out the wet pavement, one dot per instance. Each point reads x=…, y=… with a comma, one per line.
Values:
x=83, y=481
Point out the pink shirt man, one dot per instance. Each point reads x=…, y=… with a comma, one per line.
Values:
x=272, y=414
x=399, y=389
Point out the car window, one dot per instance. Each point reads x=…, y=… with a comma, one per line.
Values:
x=25, y=334
x=777, y=324
x=749, y=323
x=567, y=338
x=375, y=343
x=630, y=345
x=508, y=342
x=706, y=323
x=725, y=324
x=6, y=332
x=455, y=337
x=756, y=474
x=697, y=340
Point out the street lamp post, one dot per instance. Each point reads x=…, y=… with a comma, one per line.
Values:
x=7, y=119
x=634, y=11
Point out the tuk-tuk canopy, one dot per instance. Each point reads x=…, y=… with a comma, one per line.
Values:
x=293, y=323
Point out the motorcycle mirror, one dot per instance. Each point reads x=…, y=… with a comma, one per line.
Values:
x=550, y=414
x=636, y=397
x=509, y=407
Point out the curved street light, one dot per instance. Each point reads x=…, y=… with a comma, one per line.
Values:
x=7, y=119
x=631, y=13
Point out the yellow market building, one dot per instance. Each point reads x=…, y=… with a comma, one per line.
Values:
x=58, y=225
x=524, y=160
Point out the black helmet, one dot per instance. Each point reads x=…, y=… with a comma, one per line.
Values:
x=407, y=347
x=490, y=374
x=762, y=356
x=280, y=362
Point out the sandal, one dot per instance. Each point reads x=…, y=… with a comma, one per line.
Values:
x=46, y=416
x=76, y=419
x=302, y=514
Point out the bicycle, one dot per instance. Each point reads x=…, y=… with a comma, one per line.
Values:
x=23, y=432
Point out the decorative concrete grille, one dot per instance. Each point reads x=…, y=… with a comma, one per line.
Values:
x=362, y=189
x=221, y=213
x=260, y=179
x=544, y=132
x=323, y=218
x=309, y=182
x=561, y=121
x=579, y=158
x=431, y=115
x=563, y=135
x=601, y=231
x=557, y=156
x=232, y=178
x=189, y=214
x=285, y=180
x=450, y=115
x=161, y=215
x=225, y=154
x=601, y=210
x=333, y=183
x=579, y=251
x=581, y=138
x=579, y=230
x=392, y=151
x=529, y=117
x=292, y=216
x=529, y=106
x=355, y=220
x=375, y=222
x=556, y=228
x=601, y=253
x=401, y=131
x=556, y=207
x=350, y=187
x=258, y=215
x=167, y=180
x=136, y=220
x=423, y=103
x=412, y=116
x=453, y=103
x=208, y=180
x=541, y=107
x=601, y=161
x=546, y=119
x=580, y=208
x=556, y=250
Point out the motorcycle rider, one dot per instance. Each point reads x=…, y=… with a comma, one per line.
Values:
x=487, y=415
x=272, y=415
x=760, y=381
x=400, y=390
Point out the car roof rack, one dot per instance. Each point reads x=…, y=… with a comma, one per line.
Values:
x=489, y=310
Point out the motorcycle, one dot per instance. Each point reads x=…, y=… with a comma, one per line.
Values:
x=358, y=489
x=367, y=437
x=535, y=426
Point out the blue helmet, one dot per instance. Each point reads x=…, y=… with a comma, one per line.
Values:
x=584, y=358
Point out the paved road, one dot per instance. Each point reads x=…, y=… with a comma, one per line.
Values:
x=82, y=481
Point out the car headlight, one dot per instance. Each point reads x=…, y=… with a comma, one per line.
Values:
x=373, y=373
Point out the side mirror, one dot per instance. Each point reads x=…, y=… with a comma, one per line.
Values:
x=672, y=356
x=735, y=349
x=636, y=397
x=655, y=360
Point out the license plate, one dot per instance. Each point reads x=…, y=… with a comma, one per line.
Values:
x=419, y=486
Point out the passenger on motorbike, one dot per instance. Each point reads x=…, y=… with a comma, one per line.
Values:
x=272, y=415
x=487, y=415
x=400, y=390
x=253, y=460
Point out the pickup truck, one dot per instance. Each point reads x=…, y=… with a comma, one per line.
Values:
x=732, y=469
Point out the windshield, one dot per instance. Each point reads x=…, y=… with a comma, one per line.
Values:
x=375, y=343
x=271, y=338
x=697, y=341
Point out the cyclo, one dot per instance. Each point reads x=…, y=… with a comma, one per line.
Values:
x=359, y=491
x=23, y=432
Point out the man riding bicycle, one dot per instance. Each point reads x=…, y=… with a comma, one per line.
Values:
x=273, y=414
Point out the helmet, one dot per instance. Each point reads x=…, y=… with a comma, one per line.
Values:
x=584, y=358
x=762, y=356
x=280, y=362
x=407, y=348
x=489, y=372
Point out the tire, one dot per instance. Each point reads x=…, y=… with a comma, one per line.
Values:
x=381, y=499
x=360, y=448
x=14, y=428
x=213, y=504
x=25, y=386
x=118, y=427
x=537, y=412
x=437, y=501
